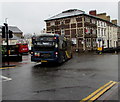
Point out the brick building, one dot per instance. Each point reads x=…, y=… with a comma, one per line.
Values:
x=87, y=31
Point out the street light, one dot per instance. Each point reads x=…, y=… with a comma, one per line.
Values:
x=6, y=19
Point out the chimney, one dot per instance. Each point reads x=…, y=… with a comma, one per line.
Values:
x=114, y=21
x=108, y=18
x=92, y=12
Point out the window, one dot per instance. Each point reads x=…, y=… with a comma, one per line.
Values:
x=93, y=21
x=87, y=30
x=104, y=24
x=104, y=32
x=110, y=43
x=62, y=22
x=101, y=23
x=73, y=20
x=88, y=42
x=79, y=19
x=98, y=23
x=52, y=23
x=114, y=43
x=57, y=22
x=94, y=42
x=62, y=31
x=98, y=31
x=87, y=19
x=48, y=24
x=93, y=31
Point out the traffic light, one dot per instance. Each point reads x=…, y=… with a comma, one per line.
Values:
x=10, y=34
x=3, y=32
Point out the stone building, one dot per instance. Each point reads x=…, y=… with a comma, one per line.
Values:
x=87, y=31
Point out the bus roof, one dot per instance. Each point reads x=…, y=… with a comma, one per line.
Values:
x=48, y=34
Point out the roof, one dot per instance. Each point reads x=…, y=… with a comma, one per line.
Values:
x=74, y=12
x=14, y=29
x=101, y=19
x=14, y=38
x=48, y=34
x=67, y=13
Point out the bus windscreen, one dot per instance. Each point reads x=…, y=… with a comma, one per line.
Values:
x=46, y=38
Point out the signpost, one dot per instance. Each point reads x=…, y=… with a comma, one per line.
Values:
x=99, y=46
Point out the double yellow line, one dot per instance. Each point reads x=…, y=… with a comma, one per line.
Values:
x=6, y=67
x=96, y=94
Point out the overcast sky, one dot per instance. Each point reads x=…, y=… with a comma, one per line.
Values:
x=30, y=16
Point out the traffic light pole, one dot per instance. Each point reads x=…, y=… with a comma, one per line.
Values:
x=8, y=48
x=6, y=29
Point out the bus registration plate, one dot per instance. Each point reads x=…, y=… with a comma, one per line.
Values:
x=43, y=61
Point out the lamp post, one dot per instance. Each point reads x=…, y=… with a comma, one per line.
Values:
x=6, y=19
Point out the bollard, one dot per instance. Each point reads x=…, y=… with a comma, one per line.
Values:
x=9, y=52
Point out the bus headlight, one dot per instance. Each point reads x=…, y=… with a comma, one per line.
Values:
x=37, y=54
x=56, y=45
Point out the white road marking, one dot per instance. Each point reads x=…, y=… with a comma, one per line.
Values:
x=5, y=78
x=38, y=63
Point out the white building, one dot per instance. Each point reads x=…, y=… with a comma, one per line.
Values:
x=101, y=33
x=107, y=34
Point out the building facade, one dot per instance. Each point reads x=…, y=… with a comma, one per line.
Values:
x=87, y=31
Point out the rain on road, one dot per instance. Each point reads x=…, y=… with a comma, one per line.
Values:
x=72, y=80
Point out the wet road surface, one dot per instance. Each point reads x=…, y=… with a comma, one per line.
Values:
x=72, y=80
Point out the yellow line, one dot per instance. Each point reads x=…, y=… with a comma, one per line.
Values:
x=100, y=93
x=6, y=67
x=95, y=92
x=67, y=54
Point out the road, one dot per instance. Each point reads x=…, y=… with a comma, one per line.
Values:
x=73, y=80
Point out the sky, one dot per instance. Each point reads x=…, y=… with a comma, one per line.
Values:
x=29, y=16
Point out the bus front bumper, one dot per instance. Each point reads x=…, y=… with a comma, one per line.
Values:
x=34, y=59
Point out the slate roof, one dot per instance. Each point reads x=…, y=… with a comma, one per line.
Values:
x=67, y=13
x=14, y=38
x=14, y=29
x=75, y=12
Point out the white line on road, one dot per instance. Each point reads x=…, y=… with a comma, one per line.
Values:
x=5, y=78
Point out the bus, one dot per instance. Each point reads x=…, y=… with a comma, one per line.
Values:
x=51, y=48
x=22, y=48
